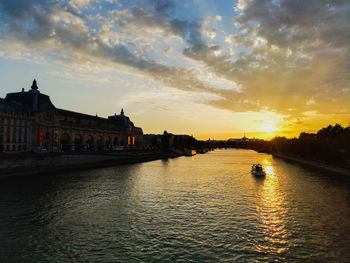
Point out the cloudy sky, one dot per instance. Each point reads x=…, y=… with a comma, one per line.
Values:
x=202, y=67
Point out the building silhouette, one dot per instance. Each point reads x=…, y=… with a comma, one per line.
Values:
x=30, y=122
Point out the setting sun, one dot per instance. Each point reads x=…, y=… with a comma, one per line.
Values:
x=268, y=128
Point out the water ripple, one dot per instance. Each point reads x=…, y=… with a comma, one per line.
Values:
x=207, y=208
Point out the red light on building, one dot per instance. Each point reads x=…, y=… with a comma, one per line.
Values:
x=41, y=136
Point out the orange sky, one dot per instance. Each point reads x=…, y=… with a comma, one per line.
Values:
x=208, y=68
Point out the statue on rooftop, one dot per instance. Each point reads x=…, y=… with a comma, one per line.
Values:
x=34, y=86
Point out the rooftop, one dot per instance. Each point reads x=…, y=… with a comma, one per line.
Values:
x=32, y=100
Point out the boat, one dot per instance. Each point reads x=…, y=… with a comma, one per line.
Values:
x=190, y=152
x=258, y=170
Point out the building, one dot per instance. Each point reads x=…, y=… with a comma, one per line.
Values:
x=30, y=122
x=243, y=139
x=170, y=142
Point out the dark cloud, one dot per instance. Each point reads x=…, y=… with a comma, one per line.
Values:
x=163, y=6
x=157, y=14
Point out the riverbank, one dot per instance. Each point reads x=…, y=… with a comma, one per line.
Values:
x=42, y=164
x=314, y=164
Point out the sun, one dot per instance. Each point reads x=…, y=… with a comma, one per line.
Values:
x=268, y=127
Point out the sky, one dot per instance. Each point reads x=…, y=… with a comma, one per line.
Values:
x=213, y=69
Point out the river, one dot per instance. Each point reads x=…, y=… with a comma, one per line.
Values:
x=205, y=208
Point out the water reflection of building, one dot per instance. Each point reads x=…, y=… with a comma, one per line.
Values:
x=29, y=121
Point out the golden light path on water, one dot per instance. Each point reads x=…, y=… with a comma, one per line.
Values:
x=272, y=213
x=205, y=208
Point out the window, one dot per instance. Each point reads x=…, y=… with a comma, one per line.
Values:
x=25, y=134
x=14, y=134
x=1, y=133
x=19, y=134
x=7, y=130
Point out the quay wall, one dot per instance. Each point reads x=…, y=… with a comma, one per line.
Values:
x=314, y=163
x=55, y=163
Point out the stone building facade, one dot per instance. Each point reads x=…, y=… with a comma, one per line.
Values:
x=15, y=131
x=30, y=122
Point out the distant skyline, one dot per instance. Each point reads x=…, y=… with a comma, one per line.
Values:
x=214, y=69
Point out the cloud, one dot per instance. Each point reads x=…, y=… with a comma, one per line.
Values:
x=78, y=4
x=285, y=51
x=47, y=25
x=277, y=55
x=52, y=26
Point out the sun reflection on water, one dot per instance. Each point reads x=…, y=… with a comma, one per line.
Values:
x=270, y=171
x=272, y=213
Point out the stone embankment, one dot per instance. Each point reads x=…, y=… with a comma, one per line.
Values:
x=48, y=163
x=315, y=164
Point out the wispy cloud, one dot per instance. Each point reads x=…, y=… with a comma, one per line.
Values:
x=276, y=55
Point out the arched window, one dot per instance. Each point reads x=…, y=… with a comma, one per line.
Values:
x=55, y=139
x=47, y=140
x=65, y=142
x=108, y=143
x=90, y=143
x=78, y=142
x=115, y=141
x=100, y=143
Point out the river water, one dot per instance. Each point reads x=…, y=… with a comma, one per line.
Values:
x=205, y=208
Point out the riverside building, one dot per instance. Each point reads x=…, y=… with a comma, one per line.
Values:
x=30, y=122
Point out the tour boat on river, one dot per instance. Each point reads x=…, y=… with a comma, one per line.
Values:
x=258, y=170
